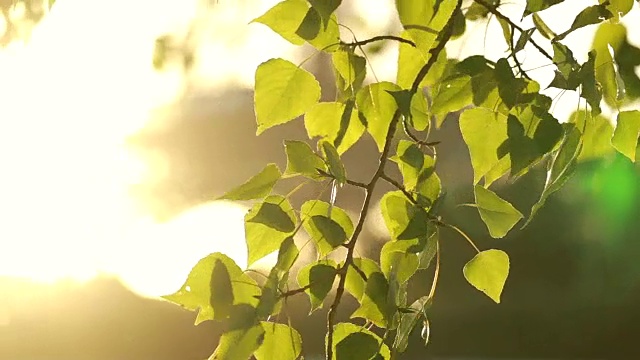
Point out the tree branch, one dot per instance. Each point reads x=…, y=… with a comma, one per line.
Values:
x=342, y=272
x=398, y=186
x=492, y=9
x=378, y=38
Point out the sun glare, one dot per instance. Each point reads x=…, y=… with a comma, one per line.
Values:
x=70, y=97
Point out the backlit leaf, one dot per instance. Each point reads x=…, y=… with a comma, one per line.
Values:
x=283, y=92
x=342, y=330
x=561, y=168
x=338, y=217
x=335, y=122
x=257, y=187
x=498, y=214
x=239, y=344
x=539, y=5
x=334, y=163
x=196, y=294
x=374, y=305
x=267, y=225
x=397, y=261
x=596, y=135
x=296, y=22
x=408, y=322
x=452, y=95
x=625, y=138
x=378, y=106
x=487, y=272
x=354, y=283
x=411, y=60
x=221, y=298
x=301, y=160
x=484, y=132
x=352, y=68
x=280, y=342
x=542, y=27
x=590, y=15
x=318, y=276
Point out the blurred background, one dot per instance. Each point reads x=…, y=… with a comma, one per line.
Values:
x=120, y=122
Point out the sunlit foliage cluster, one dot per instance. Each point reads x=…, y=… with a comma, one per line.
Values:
x=505, y=121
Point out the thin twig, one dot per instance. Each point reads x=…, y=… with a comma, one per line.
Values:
x=391, y=181
x=295, y=291
x=492, y=9
x=436, y=272
x=357, y=184
x=351, y=245
x=378, y=38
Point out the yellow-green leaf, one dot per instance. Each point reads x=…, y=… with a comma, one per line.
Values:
x=335, y=122
x=325, y=233
x=238, y=344
x=625, y=137
x=484, y=132
x=196, y=292
x=267, y=225
x=301, y=160
x=280, y=342
x=257, y=187
x=487, y=272
x=283, y=92
x=498, y=214
x=318, y=277
x=342, y=330
x=378, y=106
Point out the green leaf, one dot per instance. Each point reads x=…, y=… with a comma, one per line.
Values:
x=420, y=118
x=330, y=230
x=539, y=5
x=357, y=346
x=590, y=15
x=374, y=305
x=196, y=294
x=336, y=123
x=325, y=8
x=542, y=27
x=590, y=88
x=301, y=160
x=596, y=135
x=608, y=72
x=412, y=59
x=270, y=302
x=561, y=168
x=487, y=272
x=524, y=38
x=239, y=344
x=355, y=284
x=318, y=276
x=564, y=60
x=452, y=95
x=408, y=322
x=342, y=331
x=410, y=160
x=283, y=92
x=532, y=135
x=267, y=225
x=397, y=262
x=287, y=255
x=618, y=8
x=424, y=20
x=273, y=216
x=498, y=214
x=510, y=88
x=404, y=220
x=352, y=69
x=625, y=138
x=429, y=252
x=257, y=187
x=477, y=11
x=285, y=18
x=335, y=166
x=280, y=342
x=484, y=132
x=221, y=298
x=318, y=230
x=296, y=22
x=378, y=107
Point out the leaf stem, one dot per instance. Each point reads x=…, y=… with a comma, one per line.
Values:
x=457, y=229
x=492, y=9
x=436, y=273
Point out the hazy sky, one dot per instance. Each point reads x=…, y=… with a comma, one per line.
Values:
x=84, y=82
